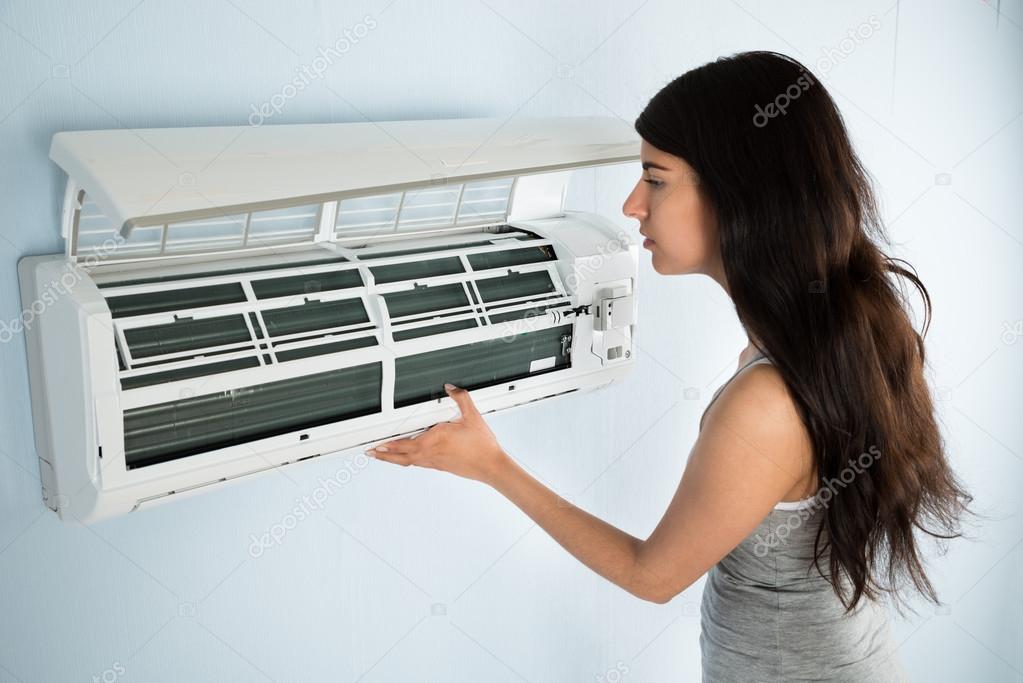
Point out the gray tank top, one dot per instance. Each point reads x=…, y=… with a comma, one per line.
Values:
x=768, y=615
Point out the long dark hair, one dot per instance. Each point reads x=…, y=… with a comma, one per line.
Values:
x=799, y=227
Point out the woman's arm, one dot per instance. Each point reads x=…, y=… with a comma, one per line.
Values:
x=748, y=455
x=604, y=548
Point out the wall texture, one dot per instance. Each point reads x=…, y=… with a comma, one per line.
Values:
x=415, y=575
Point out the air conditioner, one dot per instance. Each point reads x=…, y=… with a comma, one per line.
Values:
x=235, y=299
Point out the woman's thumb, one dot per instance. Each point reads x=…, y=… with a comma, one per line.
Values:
x=462, y=398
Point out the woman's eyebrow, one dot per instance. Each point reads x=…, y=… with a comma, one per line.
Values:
x=647, y=165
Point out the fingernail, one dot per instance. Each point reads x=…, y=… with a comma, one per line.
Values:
x=381, y=448
x=449, y=387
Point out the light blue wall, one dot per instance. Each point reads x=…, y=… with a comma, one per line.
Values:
x=415, y=575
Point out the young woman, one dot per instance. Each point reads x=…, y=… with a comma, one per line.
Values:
x=820, y=457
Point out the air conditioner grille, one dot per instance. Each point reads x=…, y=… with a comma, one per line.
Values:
x=416, y=270
x=421, y=377
x=306, y=284
x=169, y=331
x=175, y=299
x=425, y=299
x=316, y=315
x=176, y=429
x=186, y=335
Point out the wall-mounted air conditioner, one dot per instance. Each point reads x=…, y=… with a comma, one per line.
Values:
x=234, y=299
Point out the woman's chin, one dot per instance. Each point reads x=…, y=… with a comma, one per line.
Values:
x=664, y=267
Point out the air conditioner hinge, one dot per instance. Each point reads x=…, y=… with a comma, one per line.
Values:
x=566, y=344
x=610, y=316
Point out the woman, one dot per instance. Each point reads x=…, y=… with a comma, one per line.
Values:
x=820, y=456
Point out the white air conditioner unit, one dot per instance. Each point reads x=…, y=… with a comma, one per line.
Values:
x=234, y=299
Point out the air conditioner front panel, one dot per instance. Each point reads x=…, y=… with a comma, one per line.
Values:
x=288, y=362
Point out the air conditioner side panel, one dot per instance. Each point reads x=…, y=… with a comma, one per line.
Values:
x=596, y=257
x=40, y=414
x=62, y=306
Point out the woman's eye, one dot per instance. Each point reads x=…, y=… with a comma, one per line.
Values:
x=655, y=183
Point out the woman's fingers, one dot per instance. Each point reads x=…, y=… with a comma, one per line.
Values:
x=464, y=401
x=424, y=449
x=395, y=458
x=418, y=452
x=397, y=447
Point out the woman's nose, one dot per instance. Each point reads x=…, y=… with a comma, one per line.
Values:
x=633, y=207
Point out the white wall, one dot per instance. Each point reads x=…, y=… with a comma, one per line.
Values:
x=416, y=575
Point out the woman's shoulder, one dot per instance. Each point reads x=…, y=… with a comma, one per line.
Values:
x=758, y=405
x=753, y=450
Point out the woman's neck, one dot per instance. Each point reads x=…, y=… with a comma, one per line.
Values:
x=750, y=352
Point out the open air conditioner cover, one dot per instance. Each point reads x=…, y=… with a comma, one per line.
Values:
x=154, y=176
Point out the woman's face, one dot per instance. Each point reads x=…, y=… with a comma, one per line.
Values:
x=673, y=214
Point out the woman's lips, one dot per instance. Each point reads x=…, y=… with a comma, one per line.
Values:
x=647, y=242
